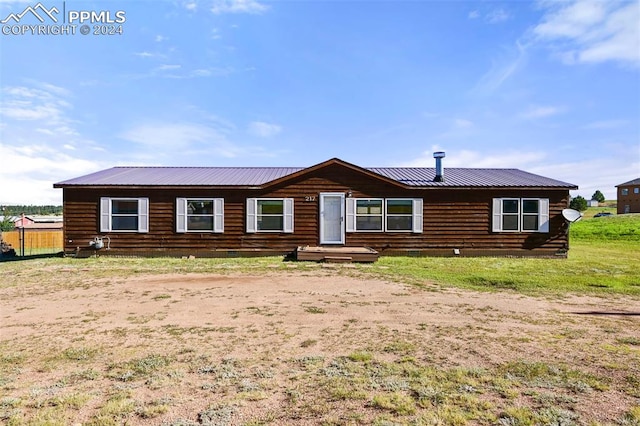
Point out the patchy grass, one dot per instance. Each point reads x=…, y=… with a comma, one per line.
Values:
x=547, y=371
x=593, y=267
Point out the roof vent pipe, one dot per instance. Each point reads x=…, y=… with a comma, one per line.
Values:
x=439, y=155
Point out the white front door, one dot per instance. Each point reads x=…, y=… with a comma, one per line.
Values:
x=332, y=218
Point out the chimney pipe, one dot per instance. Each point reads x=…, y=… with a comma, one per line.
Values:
x=439, y=155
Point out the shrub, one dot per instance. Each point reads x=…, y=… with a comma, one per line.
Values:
x=578, y=203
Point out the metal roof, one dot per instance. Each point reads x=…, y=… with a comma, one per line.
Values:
x=631, y=182
x=256, y=176
x=464, y=177
x=182, y=176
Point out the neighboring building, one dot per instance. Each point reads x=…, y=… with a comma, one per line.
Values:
x=236, y=211
x=592, y=203
x=629, y=197
x=38, y=222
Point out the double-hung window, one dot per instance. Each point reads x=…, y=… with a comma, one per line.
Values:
x=200, y=215
x=520, y=215
x=369, y=214
x=124, y=214
x=270, y=215
x=384, y=215
x=403, y=215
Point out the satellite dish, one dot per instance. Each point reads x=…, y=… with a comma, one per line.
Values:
x=571, y=215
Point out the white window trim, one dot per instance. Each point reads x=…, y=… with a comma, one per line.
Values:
x=416, y=223
x=106, y=207
x=416, y=215
x=182, y=216
x=543, y=215
x=352, y=214
x=252, y=215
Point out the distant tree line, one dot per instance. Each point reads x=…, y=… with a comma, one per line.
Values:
x=17, y=210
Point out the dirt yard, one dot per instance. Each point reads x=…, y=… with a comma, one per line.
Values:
x=312, y=346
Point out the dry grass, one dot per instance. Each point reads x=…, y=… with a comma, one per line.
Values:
x=302, y=355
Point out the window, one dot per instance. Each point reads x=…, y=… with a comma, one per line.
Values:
x=520, y=215
x=378, y=215
x=369, y=215
x=270, y=215
x=404, y=215
x=624, y=191
x=636, y=190
x=200, y=215
x=530, y=215
x=511, y=215
x=124, y=214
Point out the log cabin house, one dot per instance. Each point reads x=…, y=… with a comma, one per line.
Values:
x=245, y=211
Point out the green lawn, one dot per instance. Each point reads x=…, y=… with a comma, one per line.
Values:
x=606, y=267
x=603, y=258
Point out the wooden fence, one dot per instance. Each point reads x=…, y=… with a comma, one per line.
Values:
x=35, y=241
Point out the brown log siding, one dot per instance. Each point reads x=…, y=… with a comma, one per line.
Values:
x=453, y=218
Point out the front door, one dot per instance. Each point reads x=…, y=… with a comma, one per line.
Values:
x=332, y=218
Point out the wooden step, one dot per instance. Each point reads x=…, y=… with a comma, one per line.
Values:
x=336, y=254
x=337, y=259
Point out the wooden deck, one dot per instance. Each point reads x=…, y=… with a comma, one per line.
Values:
x=336, y=254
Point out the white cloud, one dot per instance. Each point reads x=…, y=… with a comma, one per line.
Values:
x=494, y=16
x=238, y=6
x=475, y=159
x=159, y=38
x=201, y=73
x=535, y=112
x=38, y=143
x=264, y=130
x=607, y=124
x=48, y=107
x=30, y=171
x=587, y=31
x=497, y=15
x=461, y=123
x=176, y=71
x=51, y=88
x=612, y=170
x=191, y=6
x=171, y=136
x=158, y=55
x=168, y=67
x=174, y=140
x=502, y=70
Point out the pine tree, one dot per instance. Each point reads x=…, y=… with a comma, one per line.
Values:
x=598, y=196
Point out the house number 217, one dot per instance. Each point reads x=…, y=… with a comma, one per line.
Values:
x=310, y=198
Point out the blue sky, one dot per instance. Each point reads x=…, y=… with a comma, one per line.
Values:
x=548, y=87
